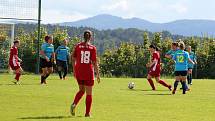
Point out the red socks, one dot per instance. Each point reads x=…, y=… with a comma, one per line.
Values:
x=78, y=97
x=163, y=83
x=88, y=104
x=17, y=76
x=151, y=83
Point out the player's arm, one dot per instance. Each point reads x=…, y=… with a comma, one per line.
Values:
x=95, y=62
x=153, y=62
x=42, y=52
x=190, y=60
x=73, y=58
x=96, y=67
x=168, y=55
x=54, y=57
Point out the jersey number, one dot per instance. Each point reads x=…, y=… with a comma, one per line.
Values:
x=85, y=57
x=180, y=58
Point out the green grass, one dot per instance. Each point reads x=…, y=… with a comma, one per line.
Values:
x=112, y=101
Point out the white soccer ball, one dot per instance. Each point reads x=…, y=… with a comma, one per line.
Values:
x=131, y=85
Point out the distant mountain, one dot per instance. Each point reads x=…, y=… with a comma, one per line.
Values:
x=180, y=27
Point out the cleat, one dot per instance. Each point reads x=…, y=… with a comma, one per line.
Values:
x=173, y=92
x=14, y=81
x=64, y=78
x=170, y=88
x=72, y=110
x=184, y=92
x=87, y=115
x=191, y=83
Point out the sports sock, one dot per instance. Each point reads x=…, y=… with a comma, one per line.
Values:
x=47, y=76
x=42, y=79
x=78, y=97
x=88, y=104
x=17, y=76
x=188, y=78
x=163, y=83
x=151, y=83
x=65, y=73
x=191, y=78
x=184, y=86
x=60, y=75
x=176, y=84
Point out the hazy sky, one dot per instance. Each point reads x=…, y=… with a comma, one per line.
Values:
x=54, y=11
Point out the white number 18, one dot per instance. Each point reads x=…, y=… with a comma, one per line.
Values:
x=85, y=57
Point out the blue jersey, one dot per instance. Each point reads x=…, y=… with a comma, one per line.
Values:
x=48, y=50
x=193, y=58
x=181, y=60
x=62, y=53
x=171, y=52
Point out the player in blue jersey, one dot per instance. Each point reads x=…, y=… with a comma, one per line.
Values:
x=47, y=58
x=171, y=53
x=181, y=59
x=190, y=65
x=62, y=55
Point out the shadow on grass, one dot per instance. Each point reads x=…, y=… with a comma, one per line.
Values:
x=158, y=94
x=19, y=84
x=145, y=90
x=47, y=117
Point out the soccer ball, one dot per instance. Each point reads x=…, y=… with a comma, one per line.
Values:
x=131, y=85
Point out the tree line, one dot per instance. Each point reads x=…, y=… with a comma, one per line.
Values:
x=122, y=52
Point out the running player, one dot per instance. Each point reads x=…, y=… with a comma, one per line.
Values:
x=155, y=69
x=84, y=62
x=181, y=59
x=47, y=58
x=62, y=54
x=190, y=65
x=14, y=61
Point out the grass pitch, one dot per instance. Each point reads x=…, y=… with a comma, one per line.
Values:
x=112, y=101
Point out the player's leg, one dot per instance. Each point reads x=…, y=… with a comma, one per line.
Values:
x=177, y=79
x=184, y=84
x=88, y=100
x=65, y=68
x=190, y=76
x=18, y=72
x=77, y=98
x=59, y=69
x=149, y=78
x=43, y=75
x=49, y=71
x=162, y=82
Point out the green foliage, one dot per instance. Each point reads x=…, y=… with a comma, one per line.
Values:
x=123, y=52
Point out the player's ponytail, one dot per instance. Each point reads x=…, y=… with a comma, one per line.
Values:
x=87, y=35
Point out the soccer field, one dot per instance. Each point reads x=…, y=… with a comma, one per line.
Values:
x=112, y=101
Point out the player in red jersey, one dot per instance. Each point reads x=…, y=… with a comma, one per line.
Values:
x=14, y=61
x=84, y=62
x=155, y=69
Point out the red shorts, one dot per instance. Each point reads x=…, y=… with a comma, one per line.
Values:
x=86, y=83
x=14, y=67
x=155, y=73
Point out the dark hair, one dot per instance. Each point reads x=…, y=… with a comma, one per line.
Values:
x=157, y=49
x=87, y=35
x=47, y=38
x=15, y=41
x=175, y=44
x=152, y=46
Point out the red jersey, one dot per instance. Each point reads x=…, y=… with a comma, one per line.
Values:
x=156, y=66
x=14, y=60
x=85, y=54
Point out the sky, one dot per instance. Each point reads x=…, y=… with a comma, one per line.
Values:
x=158, y=11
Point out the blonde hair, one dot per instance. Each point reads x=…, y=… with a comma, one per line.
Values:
x=181, y=45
